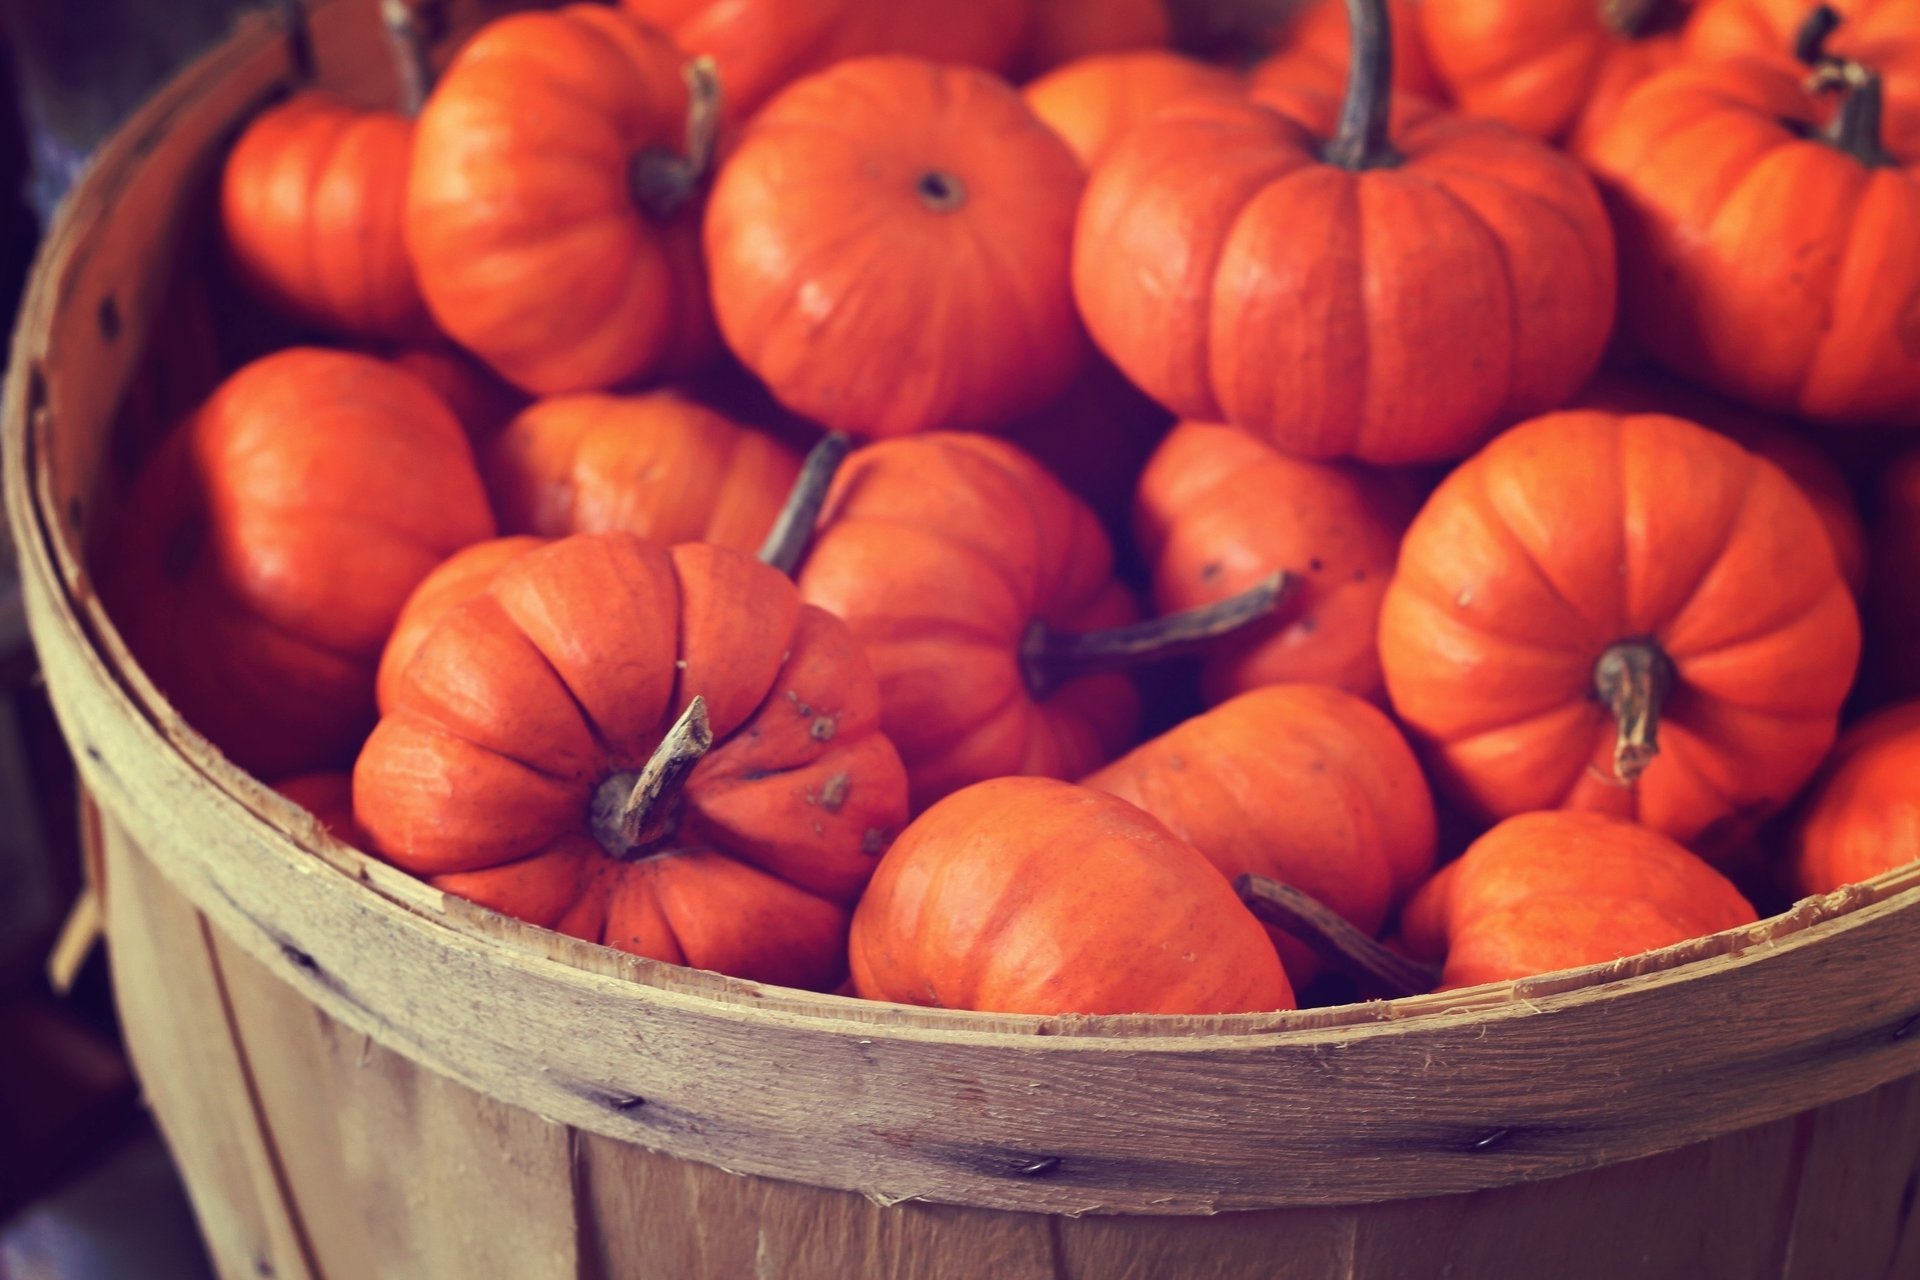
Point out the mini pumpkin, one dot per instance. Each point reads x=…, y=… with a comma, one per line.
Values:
x=1766, y=246
x=1218, y=511
x=1862, y=816
x=899, y=206
x=1029, y=895
x=1387, y=297
x=466, y=573
x=657, y=465
x=660, y=750
x=1626, y=614
x=551, y=206
x=1093, y=102
x=761, y=46
x=226, y=572
x=1549, y=891
x=1298, y=783
x=1063, y=31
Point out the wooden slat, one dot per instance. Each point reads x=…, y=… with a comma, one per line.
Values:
x=1857, y=1209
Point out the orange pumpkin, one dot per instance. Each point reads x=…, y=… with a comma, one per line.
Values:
x=226, y=573
x=761, y=46
x=1776, y=441
x=1543, y=65
x=1765, y=239
x=935, y=227
x=1298, y=783
x=656, y=465
x=1314, y=50
x=461, y=576
x=550, y=207
x=1893, y=588
x=1027, y=895
x=953, y=558
x=1063, y=31
x=478, y=398
x=329, y=798
x=1627, y=614
x=1549, y=891
x=1218, y=511
x=663, y=751
x=1095, y=101
x=1862, y=816
x=1387, y=298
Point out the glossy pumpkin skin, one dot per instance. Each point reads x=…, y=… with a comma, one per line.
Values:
x=1392, y=315
x=1772, y=267
x=762, y=46
x=898, y=206
x=656, y=465
x=1218, y=510
x=555, y=685
x=1064, y=31
x=467, y=573
x=941, y=552
x=1778, y=442
x=1581, y=531
x=1298, y=783
x=1541, y=65
x=225, y=574
x=1549, y=891
x=312, y=204
x=477, y=396
x=1092, y=102
x=1862, y=816
x=530, y=245
x=1029, y=895
x=1314, y=49
x=1893, y=589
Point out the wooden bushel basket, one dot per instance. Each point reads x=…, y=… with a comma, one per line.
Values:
x=362, y=1078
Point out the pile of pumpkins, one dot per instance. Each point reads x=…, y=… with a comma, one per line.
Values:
x=722, y=497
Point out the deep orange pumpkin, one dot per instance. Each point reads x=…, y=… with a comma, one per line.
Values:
x=329, y=798
x=1391, y=299
x=761, y=46
x=1063, y=31
x=1093, y=102
x=461, y=576
x=1862, y=816
x=1766, y=239
x=1628, y=614
x=1315, y=48
x=943, y=552
x=1298, y=783
x=1549, y=891
x=268, y=546
x=1218, y=511
x=1893, y=588
x=515, y=736
x=899, y=208
x=550, y=207
x=1543, y=66
x=1027, y=895
x=656, y=465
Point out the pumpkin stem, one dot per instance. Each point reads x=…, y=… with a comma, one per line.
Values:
x=1856, y=126
x=663, y=182
x=412, y=25
x=1810, y=41
x=633, y=814
x=1632, y=19
x=1633, y=679
x=1334, y=939
x=1050, y=658
x=786, y=546
x=1361, y=141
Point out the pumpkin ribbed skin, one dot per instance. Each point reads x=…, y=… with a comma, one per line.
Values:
x=1298, y=783
x=655, y=465
x=1218, y=510
x=1549, y=891
x=225, y=574
x=1028, y=895
x=762, y=46
x=1063, y=31
x=1579, y=532
x=1393, y=314
x=1093, y=102
x=531, y=247
x=941, y=552
x=526, y=702
x=1541, y=65
x=1774, y=267
x=1312, y=51
x=898, y=206
x=464, y=574
x=1862, y=816
x=312, y=203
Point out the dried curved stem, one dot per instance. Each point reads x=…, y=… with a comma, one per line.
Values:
x=663, y=182
x=629, y=821
x=412, y=26
x=792, y=533
x=1334, y=939
x=1361, y=141
x=1632, y=679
